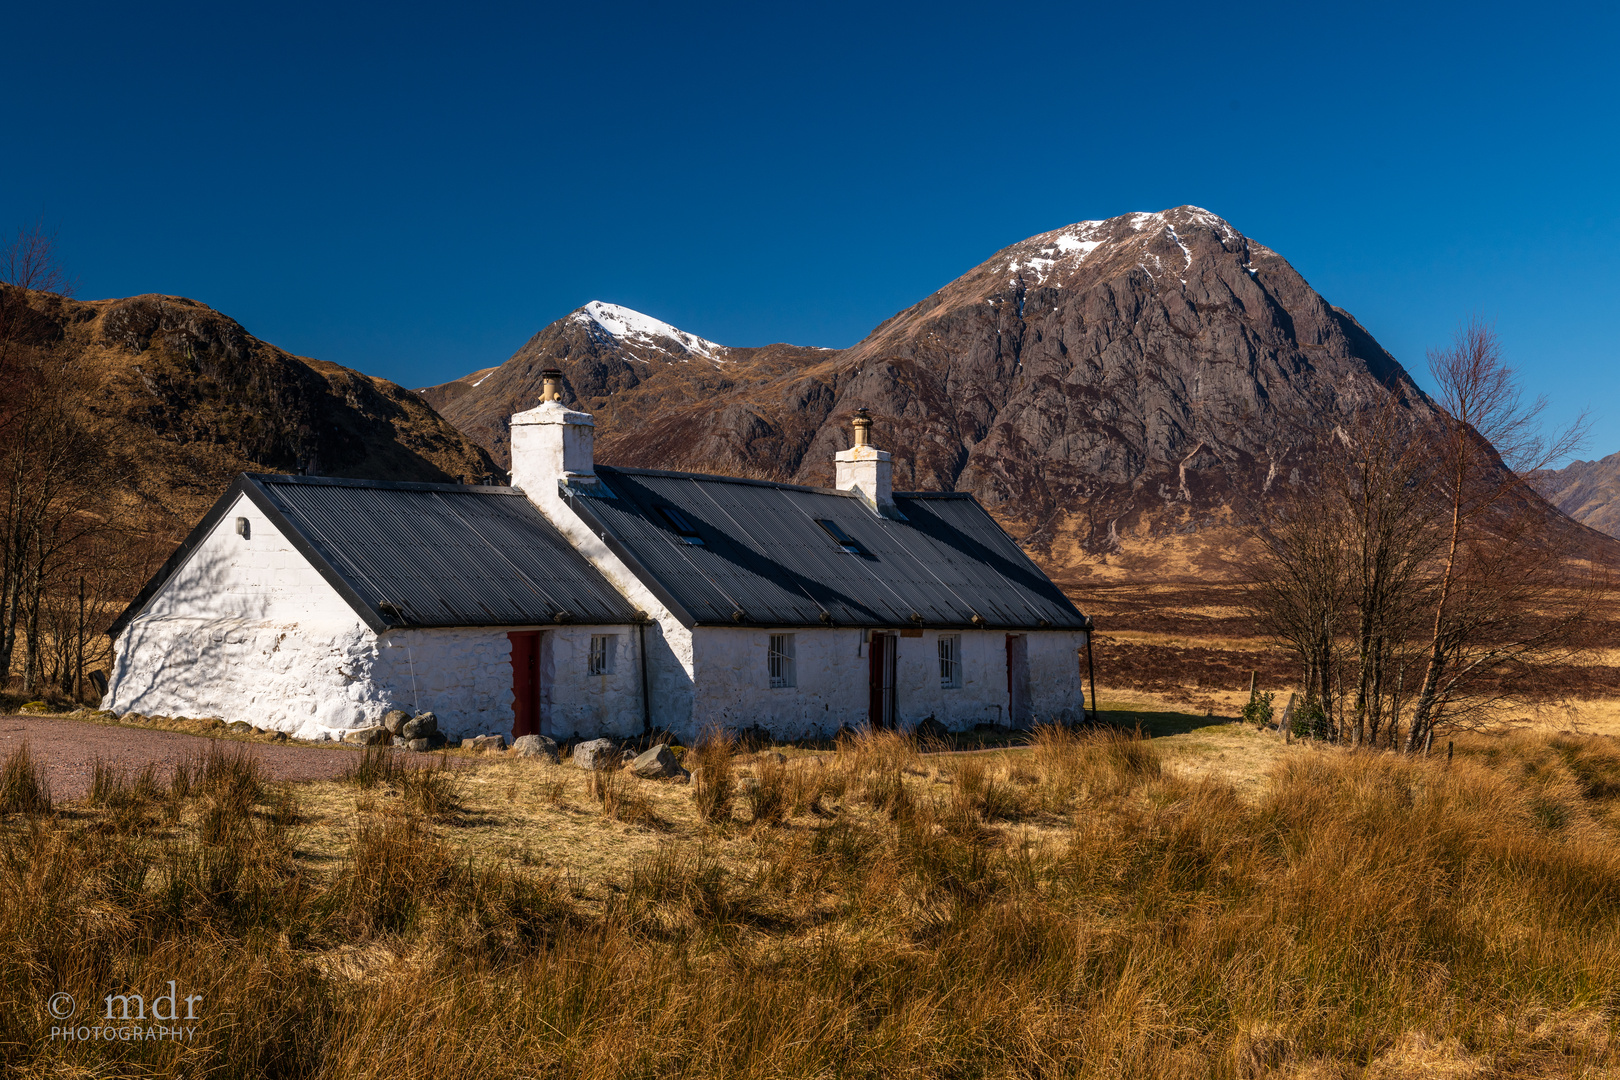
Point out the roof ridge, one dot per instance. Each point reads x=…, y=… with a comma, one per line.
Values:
x=783, y=485
x=385, y=485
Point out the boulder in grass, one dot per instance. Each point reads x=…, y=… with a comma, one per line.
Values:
x=656, y=764
x=395, y=720
x=367, y=736
x=484, y=742
x=424, y=726
x=931, y=730
x=419, y=745
x=240, y=727
x=597, y=754
x=535, y=746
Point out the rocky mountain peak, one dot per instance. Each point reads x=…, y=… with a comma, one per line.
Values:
x=643, y=337
x=1109, y=388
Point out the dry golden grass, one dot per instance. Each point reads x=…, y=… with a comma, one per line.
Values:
x=1088, y=905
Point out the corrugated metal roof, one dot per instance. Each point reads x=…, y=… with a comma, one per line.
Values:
x=764, y=555
x=429, y=555
x=445, y=554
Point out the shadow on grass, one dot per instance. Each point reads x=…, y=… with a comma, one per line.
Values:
x=1157, y=724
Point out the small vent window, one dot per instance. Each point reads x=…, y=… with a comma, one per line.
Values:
x=780, y=662
x=677, y=521
x=950, y=661
x=844, y=540
x=601, y=660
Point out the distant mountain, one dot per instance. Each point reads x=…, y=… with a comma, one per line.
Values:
x=1588, y=491
x=190, y=398
x=1116, y=391
x=628, y=368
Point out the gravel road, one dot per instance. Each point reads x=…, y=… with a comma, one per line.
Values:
x=68, y=749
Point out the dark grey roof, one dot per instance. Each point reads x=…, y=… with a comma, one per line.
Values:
x=764, y=555
x=423, y=554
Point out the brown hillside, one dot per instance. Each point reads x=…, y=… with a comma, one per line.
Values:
x=190, y=398
x=1588, y=491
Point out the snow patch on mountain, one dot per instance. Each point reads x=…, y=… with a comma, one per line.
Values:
x=628, y=326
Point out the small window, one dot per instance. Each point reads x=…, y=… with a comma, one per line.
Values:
x=845, y=541
x=677, y=521
x=244, y=528
x=950, y=661
x=780, y=662
x=601, y=661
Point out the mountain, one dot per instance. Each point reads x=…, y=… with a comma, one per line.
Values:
x=189, y=398
x=1588, y=491
x=627, y=368
x=1118, y=392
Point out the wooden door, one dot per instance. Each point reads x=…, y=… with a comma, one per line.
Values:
x=1017, y=680
x=880, y=707
x=525, y=682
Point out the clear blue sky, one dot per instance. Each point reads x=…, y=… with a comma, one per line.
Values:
x=413, y=191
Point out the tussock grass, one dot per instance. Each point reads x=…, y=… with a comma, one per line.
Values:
x=1076, y=909
x=23, y=789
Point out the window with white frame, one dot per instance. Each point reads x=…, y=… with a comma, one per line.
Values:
x=950, y=661
x=780, y=662
x=601, y=660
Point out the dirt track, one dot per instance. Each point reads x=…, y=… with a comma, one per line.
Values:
x=68, y=749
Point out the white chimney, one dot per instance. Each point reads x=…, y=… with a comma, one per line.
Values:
x=551, y=443
x=865, y=469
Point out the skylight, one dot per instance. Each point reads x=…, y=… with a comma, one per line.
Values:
x=677, y=521
x=845, y=541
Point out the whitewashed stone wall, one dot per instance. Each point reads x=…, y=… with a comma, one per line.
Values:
x=734, y=687
x=551, y=445
x=832, y=670
x=248, y=630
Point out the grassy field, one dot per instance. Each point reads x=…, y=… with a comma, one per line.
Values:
x=1193, y=899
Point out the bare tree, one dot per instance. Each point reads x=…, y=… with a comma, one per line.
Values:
x=1380, y=488
x=57, y=470
x=1501, y=555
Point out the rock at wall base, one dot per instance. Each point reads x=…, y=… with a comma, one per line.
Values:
x=424, y=726
x=659, y=763
x=535, y=746
x=395, y=720
x=596, y=754
x=367, y=736
x=484, y=742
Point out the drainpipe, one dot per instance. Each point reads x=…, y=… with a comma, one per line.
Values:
x=646, y=705
x=1091, y=669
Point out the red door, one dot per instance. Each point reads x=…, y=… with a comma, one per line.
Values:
x=525, y=682
x=880, y=703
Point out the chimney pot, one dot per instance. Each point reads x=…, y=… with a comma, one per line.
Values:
x=865, y=469
x=550, y=385
x=863, y=427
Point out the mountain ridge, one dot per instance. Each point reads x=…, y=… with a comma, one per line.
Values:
x=1112, y=389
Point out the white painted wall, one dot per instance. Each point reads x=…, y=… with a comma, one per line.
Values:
x=248, y=630
x=551, y=445
x=734, y=692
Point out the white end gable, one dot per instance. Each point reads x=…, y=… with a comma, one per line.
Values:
x=259, y=577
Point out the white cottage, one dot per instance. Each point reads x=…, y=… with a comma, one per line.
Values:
x=589, y=600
